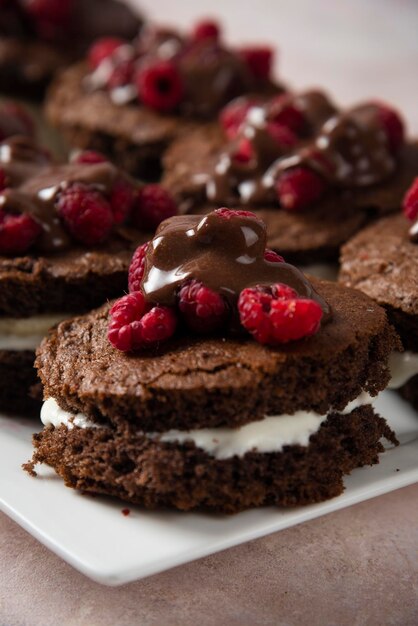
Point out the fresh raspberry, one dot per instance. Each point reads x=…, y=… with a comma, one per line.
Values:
x=283, y=112
x=203, y=310
x=298, y=188
x=53, y=12
x=137, y=267
x=410, y=201
x=230, y=213
x=85, y=213
x=243, y=152
x=102, y=49
x=133, y=326
x=283, y=135
x=90, y=157
x=18, y=233
x=160, y=86
x=259, y=60
x=122, y=198
x=15, y=120
x=124, y=329
x=273, y=257
x=233, y=115
x=158, y=325
x=276, y=314
x=122, y=74
x=207, y=29
x=393, y=126
x=153, y=205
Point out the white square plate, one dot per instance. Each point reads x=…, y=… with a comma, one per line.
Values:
x=95, y=537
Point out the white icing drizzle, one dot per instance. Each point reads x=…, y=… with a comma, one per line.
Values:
x=270, y=434
x=26, y=333
x=403, y=366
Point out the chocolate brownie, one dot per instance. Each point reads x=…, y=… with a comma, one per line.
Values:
x=37, y=39
x=132, y=102
x=209, y=167
x=164, y=399
x=382, y=262
x=67, y=233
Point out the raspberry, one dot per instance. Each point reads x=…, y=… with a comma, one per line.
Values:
x=233, y=115
x=298, y=188
x=53, y=12
x=85, y=213
x=160, y=86
x=259, y=60
x=15, y=120
x=230, y=213
x=283, y=135
x=207, y=29
x=393, y=126
x=244, y=151
x=203, y=310
x=122, y=198
x=283, y=112
x=273, y=257
x=275, y=315
x=410, y=201
x=153, y=205
x=133, y=325
x=158, y=325
x=90, y=157
x=121, y=75
x=102, y=49
x=137, y=267
x=18, y=233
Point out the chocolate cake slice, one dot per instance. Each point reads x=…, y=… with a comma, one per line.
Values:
x=314, y=173
x=131, y=101
x=224, y=380
x=39, y=38
x=67, y=233
x=382, y=261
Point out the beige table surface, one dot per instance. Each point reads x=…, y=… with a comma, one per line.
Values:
x=355, y=567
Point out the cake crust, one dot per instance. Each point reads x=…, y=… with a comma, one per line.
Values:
x=193, y=382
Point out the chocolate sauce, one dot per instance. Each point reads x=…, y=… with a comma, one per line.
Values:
x=211, y=74
x=413, y=232
x=226, y=255
x=34, y=183
x=348, y=149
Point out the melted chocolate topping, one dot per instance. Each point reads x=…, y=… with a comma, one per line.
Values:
x=34, y=183
x=211, y=74
x=348, y=149
x=226, y=255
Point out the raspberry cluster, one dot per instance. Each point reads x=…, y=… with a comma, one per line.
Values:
x=287, y=125
x=273, y=314
x=410, y=202
x=87, y=213
x=159, y=80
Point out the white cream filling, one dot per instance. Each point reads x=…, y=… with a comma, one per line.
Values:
x=26, y=333
x=403, y=366
x=270, y=434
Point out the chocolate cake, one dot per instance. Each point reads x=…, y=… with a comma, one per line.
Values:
x=39, y=38
x=225, y=379
x=67, y=233
x=382, y=261
x=131, y=101
x=314, y=173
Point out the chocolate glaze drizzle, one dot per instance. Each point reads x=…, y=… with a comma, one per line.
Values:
x=226, y=255
x=349, y=149
x=211, y=74
x=34, y=183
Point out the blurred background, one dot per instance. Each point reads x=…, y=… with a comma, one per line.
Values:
x=357, y=49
